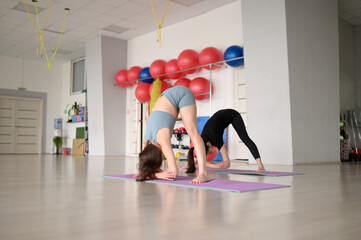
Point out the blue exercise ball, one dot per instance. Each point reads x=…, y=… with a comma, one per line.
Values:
x=234, y=52
x=144, y=73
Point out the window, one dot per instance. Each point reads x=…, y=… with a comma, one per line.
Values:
x=77, y=76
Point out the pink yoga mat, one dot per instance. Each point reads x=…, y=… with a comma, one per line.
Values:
x=215, y=184
x=251, y=172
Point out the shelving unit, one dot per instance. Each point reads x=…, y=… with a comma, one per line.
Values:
x=74, y=125
x=180, y=139
x=86, y=135
x=355, y=120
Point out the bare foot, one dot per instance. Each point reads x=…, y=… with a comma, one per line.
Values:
x=260, y=170
x=201, y=178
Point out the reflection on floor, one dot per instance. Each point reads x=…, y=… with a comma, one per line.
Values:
x=64, y=197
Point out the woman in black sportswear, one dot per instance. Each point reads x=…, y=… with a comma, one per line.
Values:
x=212, y=135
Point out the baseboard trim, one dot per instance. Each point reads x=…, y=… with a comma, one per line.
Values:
x=316, y=163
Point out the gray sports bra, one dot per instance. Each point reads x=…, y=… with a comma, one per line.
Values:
x=156, y=121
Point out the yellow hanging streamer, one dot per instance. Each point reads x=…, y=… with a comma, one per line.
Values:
x=159, y=25
x=154, y=95
x=57, y=46
x=39, y=31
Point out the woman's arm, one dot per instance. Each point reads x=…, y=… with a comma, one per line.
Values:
x=226, y=162
x=208, y=164
x=212, y=165
x=169, y=155
x=163, y=138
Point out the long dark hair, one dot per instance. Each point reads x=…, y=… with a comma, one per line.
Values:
x=191, y=167
x=150, y=161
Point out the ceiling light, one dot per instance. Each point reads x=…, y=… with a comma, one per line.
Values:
x=115, y=28
x=21, y=7
x=186, y=2
x=62, y=52
x=53, y=31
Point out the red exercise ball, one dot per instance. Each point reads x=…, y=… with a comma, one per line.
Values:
x=142, y=92
x=188, y=59
x=133, y=74
x=121, y=77
x=210, y=55
x=164, y=87
x=172, y=66
x=182, y=82
x=157, y=68
x=199, y=85
x=210, y=157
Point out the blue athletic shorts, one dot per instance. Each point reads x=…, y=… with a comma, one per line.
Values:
x=179, y=96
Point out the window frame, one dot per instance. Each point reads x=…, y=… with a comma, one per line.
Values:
x=71, y=75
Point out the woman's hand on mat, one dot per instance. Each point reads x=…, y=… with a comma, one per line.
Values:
x=166, y=175
x=201, y=178
x=218, y=165
x=226, y=164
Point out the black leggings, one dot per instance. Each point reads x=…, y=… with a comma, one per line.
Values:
x=240, y=128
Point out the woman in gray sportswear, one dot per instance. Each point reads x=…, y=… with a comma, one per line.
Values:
x=171, y=102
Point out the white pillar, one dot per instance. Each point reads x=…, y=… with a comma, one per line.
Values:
x=105, y=56
x=267, y=78
x=358, y=65
x=348, y=70
x=292, y=75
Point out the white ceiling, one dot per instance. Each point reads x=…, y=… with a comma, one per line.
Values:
x=88, y=18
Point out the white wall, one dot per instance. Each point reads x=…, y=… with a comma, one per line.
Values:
x=358, y=65
x=267, y=77
x=312, y=35
x=348, y=70
x=219, y=28
x=35, y=76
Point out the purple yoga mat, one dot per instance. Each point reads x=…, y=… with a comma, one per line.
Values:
x=250, y=172
x=215, y=184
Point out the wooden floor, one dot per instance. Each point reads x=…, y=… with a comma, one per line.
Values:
x=63, y=197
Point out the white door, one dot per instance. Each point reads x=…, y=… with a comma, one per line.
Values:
x=7, y=125
x=137, y=116
x=21, y=124
x=238, y=149
x=134, y=128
